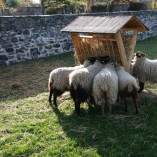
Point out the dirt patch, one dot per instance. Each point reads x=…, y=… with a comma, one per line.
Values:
x=29, y=78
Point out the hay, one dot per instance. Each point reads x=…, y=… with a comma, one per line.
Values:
x=93, y=45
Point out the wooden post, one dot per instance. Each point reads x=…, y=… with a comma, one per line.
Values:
x=133, y=40
x=122, y=51
x=132, y=46
x=113, y=53
x=76, y=43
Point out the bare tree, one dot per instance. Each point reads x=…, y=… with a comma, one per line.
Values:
x=89, y=3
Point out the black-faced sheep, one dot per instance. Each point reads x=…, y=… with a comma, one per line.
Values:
x=127, y=85
x=105, y=88
x=81, y=82
x=59, y=80
x=144, y=69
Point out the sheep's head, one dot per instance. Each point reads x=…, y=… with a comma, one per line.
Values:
x=138, y=57
x=92, y=60
x=140, y=54
x=104, y=59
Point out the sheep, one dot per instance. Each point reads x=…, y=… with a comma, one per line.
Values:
x=105, y=88
x=59, y=80
x=81, y=82
x=127, y=85
x=144, y=69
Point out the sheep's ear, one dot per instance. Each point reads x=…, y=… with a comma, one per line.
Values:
x=143, y=55
x=139, y=54
x=92, y=59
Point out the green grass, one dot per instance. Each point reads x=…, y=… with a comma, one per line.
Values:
x=148, y=46
x=29, y=127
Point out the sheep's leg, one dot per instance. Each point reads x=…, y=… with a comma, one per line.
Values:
x=126, y=107
x=77, y=107
x=91, y=100
x=141, y=84
x=55, y=99
x=50, y=96
x=118, y=98
x=135, y=103
x=102, y=108
x=110, y=108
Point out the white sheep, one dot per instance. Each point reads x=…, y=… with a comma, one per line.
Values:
x=105, y=88
x=59, y=80
x=81, y=82
x=127, y=85
x=144, y=69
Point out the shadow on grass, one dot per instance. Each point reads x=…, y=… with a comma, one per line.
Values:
x=119, y=134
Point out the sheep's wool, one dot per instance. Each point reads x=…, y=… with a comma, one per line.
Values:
x=145, y=70
x=125, y=80
x=105, y=85
x=84, y=77
x=60, y=77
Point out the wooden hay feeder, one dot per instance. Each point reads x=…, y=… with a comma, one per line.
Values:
x=105, y=35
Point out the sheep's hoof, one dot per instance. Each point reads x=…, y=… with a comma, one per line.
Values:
x=52, y=106
x=140, y=91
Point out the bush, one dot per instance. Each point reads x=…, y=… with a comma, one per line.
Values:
x=153, y=5
x=102, y=7
x=65, y=7
x=135, y=6
x=54, y=10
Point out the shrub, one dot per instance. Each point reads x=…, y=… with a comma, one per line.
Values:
x=135, y=6
x=102, y=7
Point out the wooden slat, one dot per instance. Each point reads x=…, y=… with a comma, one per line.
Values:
x=101, y=47
x=113, y=53
x=76, y=42
x=109, y=39
x=122, y=51
x=107, y=48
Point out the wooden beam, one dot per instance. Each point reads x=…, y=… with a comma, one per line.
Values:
x=113, y=52
x=122, y=51
x=135, y=28
x=86, y=36
x=76, y=42
x=97, y=38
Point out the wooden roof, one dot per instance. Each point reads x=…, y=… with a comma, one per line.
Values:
x=104, y=24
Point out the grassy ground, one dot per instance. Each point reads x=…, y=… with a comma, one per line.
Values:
x=29, y=127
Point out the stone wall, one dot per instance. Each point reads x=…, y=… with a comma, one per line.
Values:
x=32, y=37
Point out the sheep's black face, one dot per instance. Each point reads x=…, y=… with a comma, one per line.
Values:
x=140, y=54
x=104, y=59
x=92, y=60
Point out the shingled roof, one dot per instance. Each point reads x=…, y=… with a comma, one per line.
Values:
x=104, y=24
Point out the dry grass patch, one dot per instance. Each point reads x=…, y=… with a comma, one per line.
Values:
x=29, y=78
